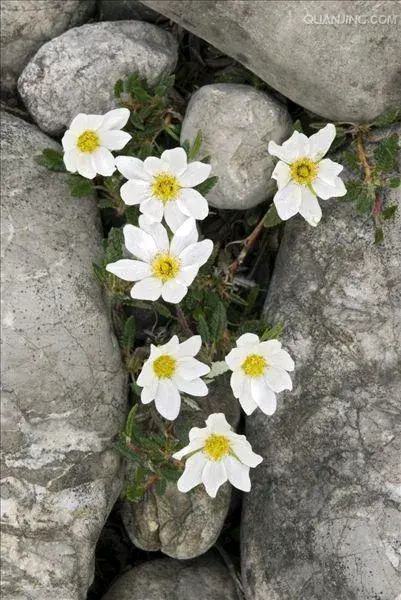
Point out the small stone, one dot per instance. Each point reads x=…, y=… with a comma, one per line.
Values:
x=27, y=24
x=184, y=525
x=117, y=10
x=63, y=387
x=76, y=71
x=205, y=578
x=323, y=513
x=237, y=123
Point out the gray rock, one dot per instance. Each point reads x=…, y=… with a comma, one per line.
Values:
x=346, y=70
x=63, y=387
x=76, y=72
x=322, y=519
x=27, y=24
x=203, y=579
x=237, y=123
x=116, y=10
x=184, y=525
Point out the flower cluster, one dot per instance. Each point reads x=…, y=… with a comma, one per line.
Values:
x=166, y=258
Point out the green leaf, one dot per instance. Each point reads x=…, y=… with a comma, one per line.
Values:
x=395, y=182
x=203, y=328
x=390, y=211
x=105, y=202
x=385, y=153
x=272, y=333
x=162, y=310
x=170, y=473
x=160, y=487
x=271, y=218
x=365, y=201
x=196, y=146
x=51, y=159
x=114, y=245
x=99, y=274
x=118, y=88
x=128, y=336
x=136, y=389
x=354, y=190
x=187, y=146
x=379, y=235
x=133, y=492
x=351, y=161
x=79, y=186
x=205, y=187
x=388, y=118
x=297, y=126
x=218, y=322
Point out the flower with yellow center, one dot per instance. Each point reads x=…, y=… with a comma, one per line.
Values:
x=88, y=142
x=216, y=454
x=259, y=371
x=169, y=370
x=302, y=176
x=162, y=268
x=164, y=187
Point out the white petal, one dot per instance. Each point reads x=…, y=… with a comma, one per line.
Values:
x=196, y=443
x=246, y=400
x=287, y=201
x=237, y=382
x=139, y=243
x=171, y=347
x=71, y=160
x=176, y=159
x=132, y=168
x=281, y=359
x=82, y=122
x=168, y=399
x=159, y=234
x=147, y=375
x=146, y=223
x=269, y=347
x=217, y=423
x=281, y=174
x=129, y=270
x=152, y=207
x=213, y=476
x=236, y=357
x=135, y=192
x=185, y=235
x=173, y=291
x=247, y=338
x=196, y=173
x=238, y=474
x=310, y=207
x=263, y=395
x=196, y=254
x=328, y=170
x=173, y=216
x=277, y=379
x=243, y=449
x=85, y=166
x=189, y=368
x=190, y=347
x=196, y=387
x=192, y=475
x=153, y=165
x=115, y=119
x=103, y=161
x=292, y=149
x=149, y=392
x=147, y=289
x=187, y=275
x=192, y=203
x=114, y=140
x=325, y=190
x=320, y=142
x=69, y=141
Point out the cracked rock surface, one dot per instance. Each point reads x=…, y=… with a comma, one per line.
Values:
x=323, y=517
x=63, y=387
x=76, y=71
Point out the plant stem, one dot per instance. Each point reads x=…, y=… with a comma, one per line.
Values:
x=362, y=157
x=183, y=321
x=246, y=246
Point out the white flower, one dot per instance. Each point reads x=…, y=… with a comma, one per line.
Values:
x=259, y=370
x=301, y=174
x=163, y=187
x=172, y=368
x=88, y=141
x=163, y=268
x=216, y=454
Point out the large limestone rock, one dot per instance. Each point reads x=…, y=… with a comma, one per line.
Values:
x=27, y=24
x=322, y=519
x=184, y=525
x=203, y=579
x=237, y=123
x=64, y=391
x=76, y=72
x=338, y=58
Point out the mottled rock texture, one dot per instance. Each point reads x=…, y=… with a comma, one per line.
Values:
x=184, y=525
x=63, y=388
x=237, y=122
x=76, y=71
x=322, y=519
x=203, y=579
x=116, y=10
x=317, y=53
x=27, y=24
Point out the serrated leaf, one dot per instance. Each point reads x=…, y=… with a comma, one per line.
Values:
x=196, y=146
x=272, y=333
x=390, y=211
x=105, y=202
x=99, y=274
x=160, y=487
x=128, y=336
x=385, y=153
x=79, y=186
x=203, y=329
x=354, y=190
x=206, y=186
x=388, y=118
x=118, y=88
x=271, y=218
x=114, y=245
x=51, y=159
x=351, y=161
x=218, y=322
x=162, y=310
x=365, y=201
x=395, y=182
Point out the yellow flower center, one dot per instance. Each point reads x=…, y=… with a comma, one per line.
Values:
x=165, y=267
x=254, y=365
x=217, y=446
x=88, y=141
x=164, y=366
x=304, y=171
x=165, y=187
